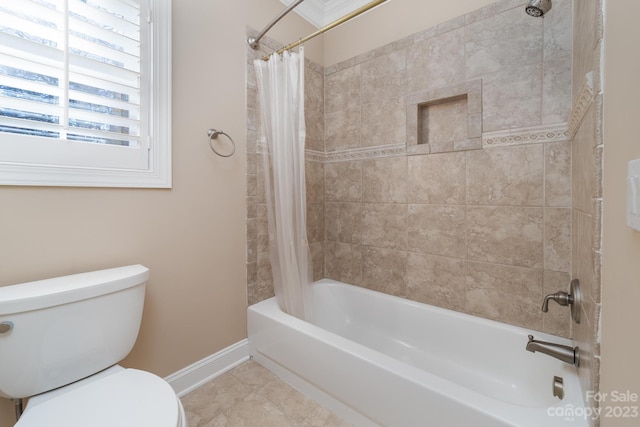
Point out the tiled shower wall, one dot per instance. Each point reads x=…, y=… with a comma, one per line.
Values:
x=484, y=231
x=588, y=145
x=480, y=228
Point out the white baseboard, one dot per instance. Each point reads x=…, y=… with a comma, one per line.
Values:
x=193, y=376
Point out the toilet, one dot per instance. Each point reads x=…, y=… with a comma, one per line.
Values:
x=60, y=342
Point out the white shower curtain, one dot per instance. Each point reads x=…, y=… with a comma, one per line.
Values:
x=282, y=136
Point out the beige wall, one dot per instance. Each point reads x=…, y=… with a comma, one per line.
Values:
x=392, y=21
x=192, y=236
x=621, y=245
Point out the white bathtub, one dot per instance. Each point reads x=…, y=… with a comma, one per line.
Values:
x=376, y=359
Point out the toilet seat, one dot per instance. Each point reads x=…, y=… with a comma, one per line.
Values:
x=126, y=398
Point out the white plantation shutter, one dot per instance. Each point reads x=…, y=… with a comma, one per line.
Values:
x=75, y=85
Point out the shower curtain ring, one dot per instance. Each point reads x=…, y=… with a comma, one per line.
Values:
x=213, y=134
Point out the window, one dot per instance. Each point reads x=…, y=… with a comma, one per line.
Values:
x=85, y=93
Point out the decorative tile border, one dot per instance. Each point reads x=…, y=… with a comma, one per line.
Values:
x=533, y=135
x=585, y=98
x=366, y=153
x=315, y=156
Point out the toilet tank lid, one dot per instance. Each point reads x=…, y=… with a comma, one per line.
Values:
x=63, y=290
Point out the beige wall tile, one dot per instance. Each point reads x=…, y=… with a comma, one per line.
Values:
x=263, y=288
x=474, y=103
x=260, y=191
x=505, y=235
x=252, y=207
x=252, y=279
x=385, y=180
x=384, y=84
x=252, y=250
x=556, y=90
x=252, y=165
x=510, y=40
x=506, y=176
x=384, y=225
x=584, y=38
x=343, y=262
x=557, y=239
x=343, y=129
x=343, y=222
x=314, y=109
x=437, y=178
x=314, y=181
x=253, y=118
x=386, y=60
x=488, y=284
x=582, y=252
x=582, y=335
x=262, y=228
x=450, y=25
x=252, y=184
x=474, y=126
x=251, y=227
x=384, y=270
x=384, y=77
x=342, y=90
x=468, y=144
x=437, y=230
x=440, y=147
x=479, y=14
x=252, y=141
x=582, y=159
x=512, y=98
x=558, y=30
x=444, y=122
x=436, y=61
x=557, y=169
x=343, y=181
x=315, y=222
x=384, y=124
x=436, y=280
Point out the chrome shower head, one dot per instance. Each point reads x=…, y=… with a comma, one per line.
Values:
x=538, y=8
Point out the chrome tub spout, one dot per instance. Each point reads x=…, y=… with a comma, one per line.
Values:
x=561, y=352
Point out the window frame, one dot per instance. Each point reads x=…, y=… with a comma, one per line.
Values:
x=158, y=140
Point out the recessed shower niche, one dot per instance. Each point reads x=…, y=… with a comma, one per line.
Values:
x=445, y=119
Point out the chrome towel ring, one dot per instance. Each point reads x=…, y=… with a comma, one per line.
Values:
x=213, y=134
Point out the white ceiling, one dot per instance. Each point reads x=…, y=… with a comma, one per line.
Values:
x=324, y=12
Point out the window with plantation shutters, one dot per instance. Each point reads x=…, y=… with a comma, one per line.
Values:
x=85, y=92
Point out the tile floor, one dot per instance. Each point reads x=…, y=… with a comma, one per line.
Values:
x=250, y=395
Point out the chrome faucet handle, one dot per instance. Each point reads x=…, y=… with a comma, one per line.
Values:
x=573, y=298
x=560, y=297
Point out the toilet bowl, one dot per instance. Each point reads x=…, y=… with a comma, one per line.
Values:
x=60, y=342
x=115, y=397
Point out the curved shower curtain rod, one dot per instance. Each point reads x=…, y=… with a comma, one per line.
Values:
x=254, y=42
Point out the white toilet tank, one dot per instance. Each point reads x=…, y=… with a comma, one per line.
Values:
x=56, y=331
